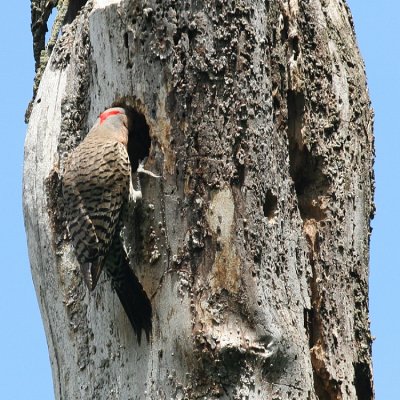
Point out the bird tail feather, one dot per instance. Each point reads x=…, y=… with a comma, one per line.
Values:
x=135, y=302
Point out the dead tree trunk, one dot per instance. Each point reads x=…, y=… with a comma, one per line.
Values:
x=254, y=246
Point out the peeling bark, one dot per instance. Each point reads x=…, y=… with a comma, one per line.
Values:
x=254, y=247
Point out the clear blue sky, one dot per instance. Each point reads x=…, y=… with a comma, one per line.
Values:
x=25, y=370
x=377, y=24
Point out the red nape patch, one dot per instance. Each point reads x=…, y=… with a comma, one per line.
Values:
x=106, y=114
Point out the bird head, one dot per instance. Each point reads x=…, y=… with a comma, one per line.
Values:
x=113, y=115
x=113, y=122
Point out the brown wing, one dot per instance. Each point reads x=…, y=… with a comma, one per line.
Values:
x=95, y=185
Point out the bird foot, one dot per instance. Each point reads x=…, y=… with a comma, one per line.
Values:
x=134, y=195
x=141, y=170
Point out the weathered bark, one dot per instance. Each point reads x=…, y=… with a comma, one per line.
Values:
x=40, y=14
x=254, y=246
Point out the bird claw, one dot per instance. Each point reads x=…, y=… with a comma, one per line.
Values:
x=134, y=195
x=141, y=170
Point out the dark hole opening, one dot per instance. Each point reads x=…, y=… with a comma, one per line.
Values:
x=269, y=205
x=139, y=137
x=306, y=169
x=73, y=9
x=126, y=40
x=296, y=47
x=362, y=381
x=139, y=140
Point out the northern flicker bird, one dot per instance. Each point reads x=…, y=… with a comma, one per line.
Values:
x=96, y=187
